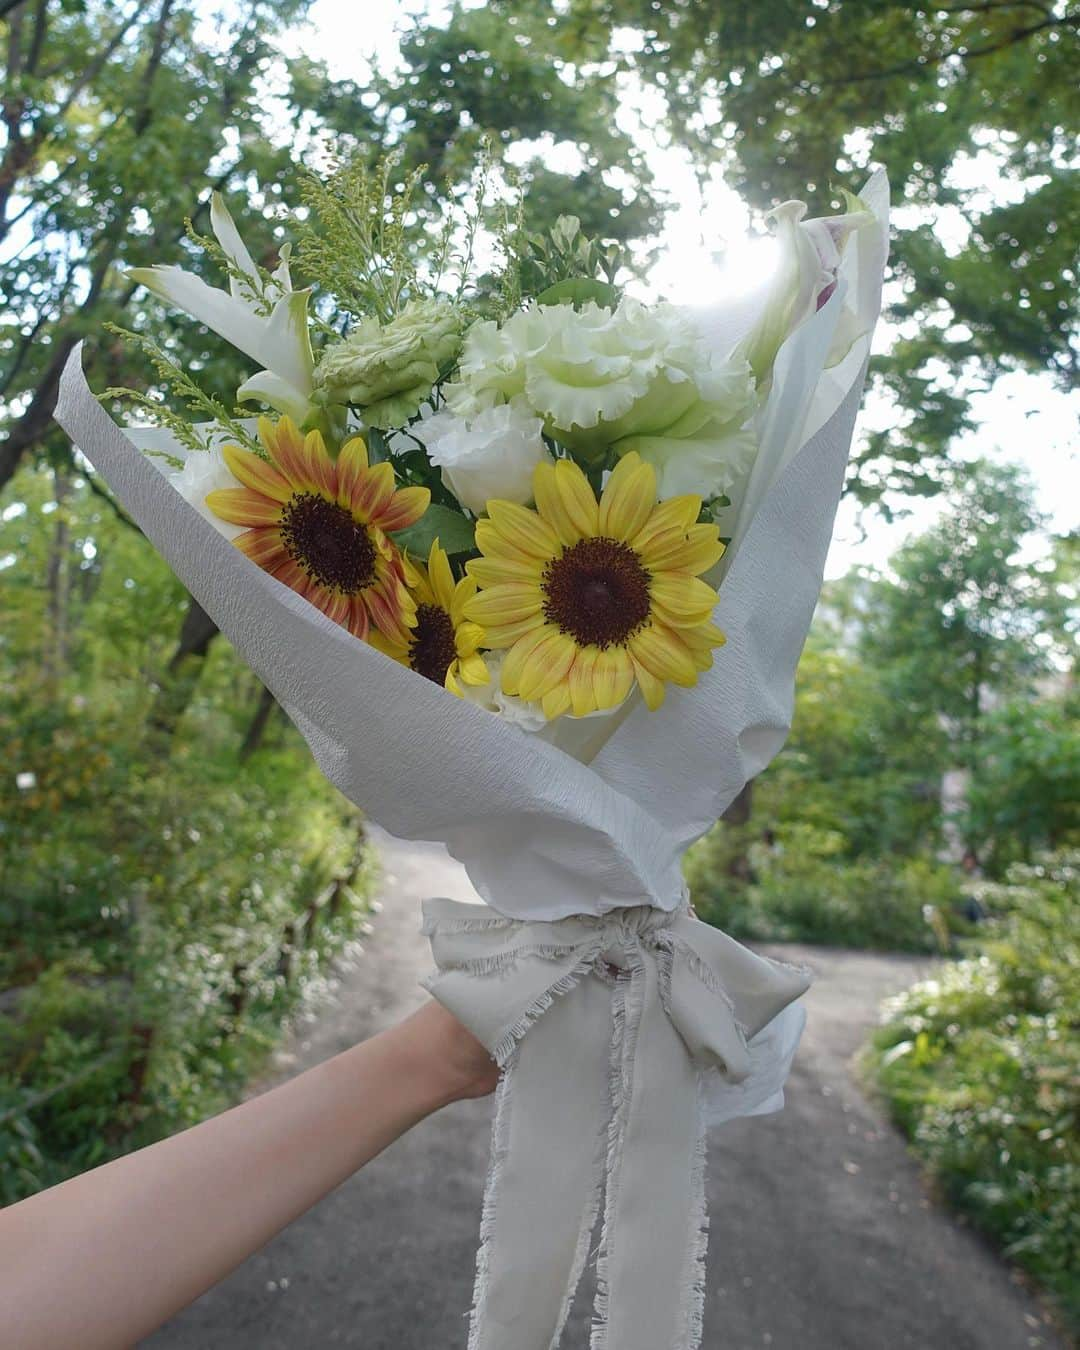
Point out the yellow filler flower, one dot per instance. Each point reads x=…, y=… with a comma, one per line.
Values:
x=320, y=525
x=444, y=645
x=590, y=596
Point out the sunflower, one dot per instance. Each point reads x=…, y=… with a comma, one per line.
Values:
x=444, y=645
x=320, y=525
x=590, y=596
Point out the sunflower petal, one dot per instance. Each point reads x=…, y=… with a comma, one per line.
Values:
x=546, y=665
x=468, y=637
x=285, y=446
x=677, y=513
x=263, y=546
x=256, y=474
x=492, y=571
x=556, y=701
x=680, y=599
x=406, y=507
x=440, y=577
x=496, y=548
x=504, y=604
x=373, y=490
x=241, y=506
x=628, y=499
x=519, y=653
x=473, y=670
x=565, y=500
x=582, y=694
x=320, y=466
x=524, y=529
x=498, y=636
x=351, y=463
x=613, y=676
x=359, y=620
x=694, y=550
x=651, y=687
x=666, y=655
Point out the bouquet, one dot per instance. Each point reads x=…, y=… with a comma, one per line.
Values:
x=530, y=562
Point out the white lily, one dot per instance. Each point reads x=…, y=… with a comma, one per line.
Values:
x=278, y=341
x=810, y=257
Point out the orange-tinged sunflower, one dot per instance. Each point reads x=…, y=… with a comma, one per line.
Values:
x=320, y=525
x=590, y=596
x=444, y=645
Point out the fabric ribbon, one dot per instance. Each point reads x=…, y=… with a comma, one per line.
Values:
x=607, y=1030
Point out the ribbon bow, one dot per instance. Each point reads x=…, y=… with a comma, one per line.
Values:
x=606, y=1029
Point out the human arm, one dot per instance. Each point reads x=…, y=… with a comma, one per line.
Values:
x=106, y=1257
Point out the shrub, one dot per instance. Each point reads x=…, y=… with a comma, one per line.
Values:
x=144, y=906
x=798, y=887
x=981, y=1068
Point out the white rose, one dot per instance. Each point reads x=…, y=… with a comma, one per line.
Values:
x=204, y=472
x=490, y=454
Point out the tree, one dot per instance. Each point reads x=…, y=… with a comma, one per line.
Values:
x=1026, y=796
x=963, y=623
x=789, y=97
x=116, y=114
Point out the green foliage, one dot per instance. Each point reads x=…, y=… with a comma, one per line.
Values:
x=800, y=888
x=356, y=244
x=981, y=1068
x=783, y=94
x=185, y=389
x=449, y=527
x=117, y=116
x=1025, y=797
x=564, y=256
x=157, y=885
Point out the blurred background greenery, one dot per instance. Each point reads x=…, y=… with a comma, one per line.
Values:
x=174, y=875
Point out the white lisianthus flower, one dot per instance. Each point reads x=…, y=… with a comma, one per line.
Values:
x=490, y=454
x=636, y=378
x=204, y=472
x=710, y=446
x=528, y=716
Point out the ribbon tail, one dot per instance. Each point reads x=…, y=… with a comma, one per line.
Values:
x=650, y=1274
x=544, y=1183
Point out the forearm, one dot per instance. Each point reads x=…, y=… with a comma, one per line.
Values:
x=103, y=1259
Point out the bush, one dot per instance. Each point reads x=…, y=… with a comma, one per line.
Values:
x=799, y=887
x=981, y=1068
x=149, y=904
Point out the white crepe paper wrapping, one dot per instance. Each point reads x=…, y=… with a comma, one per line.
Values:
x=623, y=1024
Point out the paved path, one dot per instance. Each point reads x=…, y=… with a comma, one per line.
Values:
x=823, y=1234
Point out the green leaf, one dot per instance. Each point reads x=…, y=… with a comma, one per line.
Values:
x=577, y=291
x=453, y=531
x=377, y=448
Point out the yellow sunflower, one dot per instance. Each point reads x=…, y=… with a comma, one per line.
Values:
x=444, y=645
x=590, y=596
x=320, y=525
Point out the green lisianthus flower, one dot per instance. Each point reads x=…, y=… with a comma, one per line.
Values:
x=388, y=370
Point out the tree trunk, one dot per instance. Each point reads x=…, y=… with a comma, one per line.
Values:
x=182, y=675
x=58, y=585
x=738, y=815
x=258, y=724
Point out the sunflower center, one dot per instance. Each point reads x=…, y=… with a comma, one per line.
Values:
x=328, y=543
x=597, y=592
x=432, y=647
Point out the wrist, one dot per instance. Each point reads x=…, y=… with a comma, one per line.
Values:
x=449, y=1064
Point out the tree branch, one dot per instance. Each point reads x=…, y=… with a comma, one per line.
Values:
x=964, y=53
